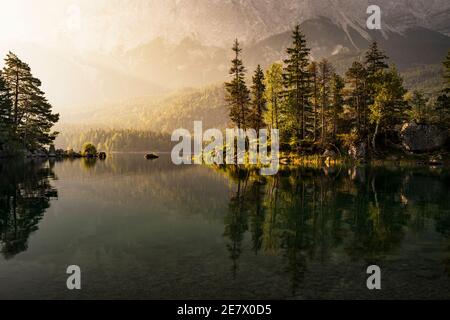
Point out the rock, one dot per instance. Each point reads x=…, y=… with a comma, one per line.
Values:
x=436, y=160
x=422, y=137
x=358, y=151
x=72, y=154
x=151, y=156
x=102, y=155
x=60, y=153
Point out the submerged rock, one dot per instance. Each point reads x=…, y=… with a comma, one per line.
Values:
x=422, y=137
x=151, y=156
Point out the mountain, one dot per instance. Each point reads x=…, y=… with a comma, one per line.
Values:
x=192, y=63
x=127, y=48
x=218, y=22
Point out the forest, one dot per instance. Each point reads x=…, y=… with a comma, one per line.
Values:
x=317, y=109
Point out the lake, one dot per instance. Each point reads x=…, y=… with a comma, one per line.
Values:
x=143, y=229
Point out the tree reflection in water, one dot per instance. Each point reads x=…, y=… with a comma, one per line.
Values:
x=306, y=215
x=25, y=194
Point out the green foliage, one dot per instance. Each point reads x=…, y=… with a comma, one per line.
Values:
x=447, y=73
x=88, y=149
x=314, y=107
x=297, y=83
x=417, y=107
x=29, y=115
x=5, y=113
x=357, y=97
x=259, y=103
x=389, y=107
x=238, y=95
x=375, y=60
x=273, y=95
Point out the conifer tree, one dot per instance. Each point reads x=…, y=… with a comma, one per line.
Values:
x=259, y=100
x=357, y=96
x=5, y=113
x=325, y=76
x=237, y=93
x=443, y=101
x=375, y=60
x=337, y=88
x=447, y=73
x=31, y=114
x=274, y=89
x=314, y=73
x=297, y=84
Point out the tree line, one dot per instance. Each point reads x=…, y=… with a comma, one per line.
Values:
x=110, y=140
x=314, y=107
x=26, y=117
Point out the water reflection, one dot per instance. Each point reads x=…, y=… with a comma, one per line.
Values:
x=25, y=194
x=309, y=215
x=195, y=232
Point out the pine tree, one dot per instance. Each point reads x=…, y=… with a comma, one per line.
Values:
x=298, y=85
x=31, y=114
x=375, y=60
x=259, y=106
x=337, y=88
x=5, y=113
x=447, y=73
x=314, y=73
x=274, y=89
x=443, y=101
x=238, y=95
x=356, y=78
x=325, y=76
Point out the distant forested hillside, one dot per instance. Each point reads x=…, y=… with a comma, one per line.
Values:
x=158, y=114
x=181, y=108
x=114, y=140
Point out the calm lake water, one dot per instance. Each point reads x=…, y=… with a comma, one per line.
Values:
x=148, y=229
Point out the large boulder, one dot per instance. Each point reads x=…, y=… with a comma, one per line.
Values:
x=422, y=137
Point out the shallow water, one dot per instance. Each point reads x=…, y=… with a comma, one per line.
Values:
x=148, y=229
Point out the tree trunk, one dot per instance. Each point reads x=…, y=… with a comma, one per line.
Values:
x=374, y=139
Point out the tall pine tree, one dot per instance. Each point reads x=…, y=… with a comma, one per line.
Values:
x=325, y=76
x=375, y=60
x=5, y=113
x=357, y=96
x=31, y=114
x=237, y=93
x=315, y=95
x=259, y=103
x=337, y=88
x=298, y=85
